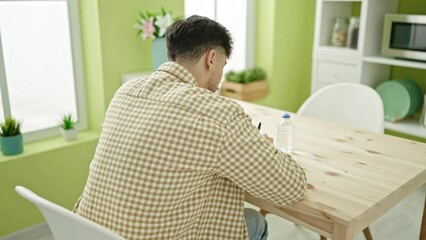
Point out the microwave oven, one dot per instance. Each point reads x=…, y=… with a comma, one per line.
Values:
x=404, y=36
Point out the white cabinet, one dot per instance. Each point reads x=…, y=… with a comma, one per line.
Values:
x=364, y=64
x=329, y=70
x=346, y=64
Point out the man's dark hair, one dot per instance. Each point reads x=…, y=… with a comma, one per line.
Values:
x=189, y=39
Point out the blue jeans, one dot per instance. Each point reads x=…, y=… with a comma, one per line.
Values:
x=256, y=225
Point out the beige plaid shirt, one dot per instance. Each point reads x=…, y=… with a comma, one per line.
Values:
x=174, y=159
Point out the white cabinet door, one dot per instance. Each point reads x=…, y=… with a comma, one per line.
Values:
x=328, y=71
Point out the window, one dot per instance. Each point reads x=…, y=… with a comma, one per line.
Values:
x=41, y=74
x=239, y=18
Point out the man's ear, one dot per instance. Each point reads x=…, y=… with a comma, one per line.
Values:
x=210, y=59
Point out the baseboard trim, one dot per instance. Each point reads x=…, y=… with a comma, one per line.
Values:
x=36, y=231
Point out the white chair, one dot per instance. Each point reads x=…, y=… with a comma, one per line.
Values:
x=64, y=224
x=355, y=105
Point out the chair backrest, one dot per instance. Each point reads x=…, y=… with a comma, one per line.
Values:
x=355, y=105
x=64, y=224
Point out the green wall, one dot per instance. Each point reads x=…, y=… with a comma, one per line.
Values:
x=284, y=49
x=93, y=66
x=54, y=169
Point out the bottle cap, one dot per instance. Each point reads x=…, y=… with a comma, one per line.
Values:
x=286, y=115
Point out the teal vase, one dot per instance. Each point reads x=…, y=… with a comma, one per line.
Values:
x=12, y=145
x=159, y=52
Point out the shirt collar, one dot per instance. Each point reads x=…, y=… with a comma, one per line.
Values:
x=178, y=71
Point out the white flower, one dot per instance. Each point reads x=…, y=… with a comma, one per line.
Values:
x=163, y=22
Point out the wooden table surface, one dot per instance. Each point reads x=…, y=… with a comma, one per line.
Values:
x=353, y=176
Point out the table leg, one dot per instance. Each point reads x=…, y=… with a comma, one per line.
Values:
x=341, y=232
x=367, y=234
x=423, y=227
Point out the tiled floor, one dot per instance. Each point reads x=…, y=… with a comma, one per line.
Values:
x=400, y=223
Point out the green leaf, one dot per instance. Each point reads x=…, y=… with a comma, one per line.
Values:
x=67, y=121
x=246, y=76
x=10, y=127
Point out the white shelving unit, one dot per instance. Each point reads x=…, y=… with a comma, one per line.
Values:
x=364, y=64
x=395, y=62
x=408, y=126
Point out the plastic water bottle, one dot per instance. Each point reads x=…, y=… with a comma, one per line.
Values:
x=285, y=134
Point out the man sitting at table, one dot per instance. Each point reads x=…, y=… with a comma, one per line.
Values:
x=174, y=159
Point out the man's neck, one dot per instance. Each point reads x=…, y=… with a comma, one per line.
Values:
x=197, y=70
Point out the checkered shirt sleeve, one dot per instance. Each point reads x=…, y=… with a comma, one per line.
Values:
x=256, y=166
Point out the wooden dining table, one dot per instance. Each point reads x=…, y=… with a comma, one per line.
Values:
x=354, y=176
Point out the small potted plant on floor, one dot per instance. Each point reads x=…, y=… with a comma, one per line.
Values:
x=68, y=127
x=247, y=85
x=11, y=137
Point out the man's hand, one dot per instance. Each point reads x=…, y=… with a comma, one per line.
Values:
x=268, y=138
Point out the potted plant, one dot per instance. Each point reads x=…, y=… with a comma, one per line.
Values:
x=153, y=26
x=246, y=85
x=68, y=127
x=11, y=137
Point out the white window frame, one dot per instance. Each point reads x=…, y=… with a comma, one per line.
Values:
x=250, y=16
x=77, y=60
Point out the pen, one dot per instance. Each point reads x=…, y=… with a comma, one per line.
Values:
x=260, y=125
